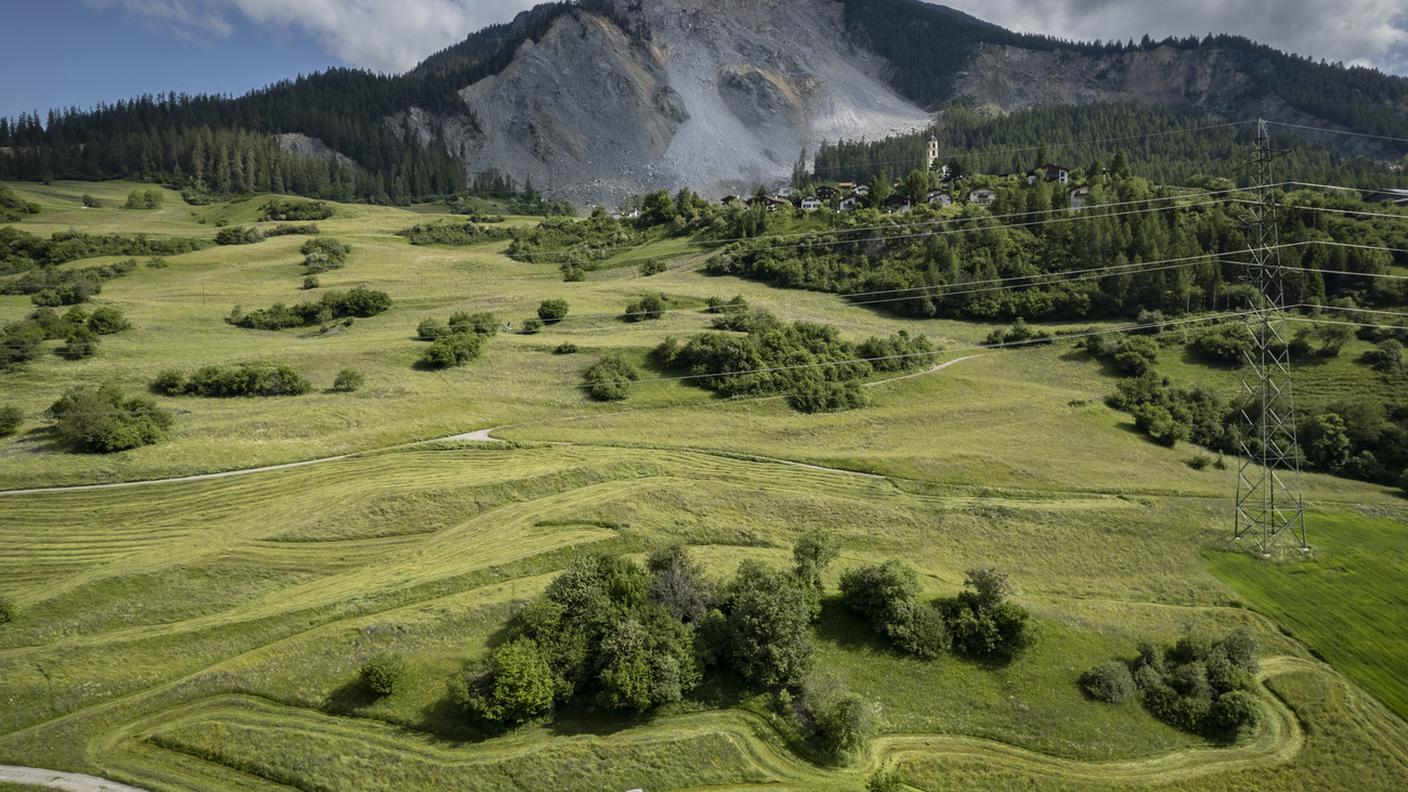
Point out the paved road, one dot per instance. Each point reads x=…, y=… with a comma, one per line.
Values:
x=53, y=779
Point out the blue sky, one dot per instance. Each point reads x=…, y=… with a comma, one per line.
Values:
x=58, y=53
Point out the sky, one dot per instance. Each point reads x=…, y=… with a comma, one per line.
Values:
x=61, y=53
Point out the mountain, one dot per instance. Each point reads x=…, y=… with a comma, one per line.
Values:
x=599, y=99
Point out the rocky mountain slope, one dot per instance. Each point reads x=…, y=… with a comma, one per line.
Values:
x=624, y=96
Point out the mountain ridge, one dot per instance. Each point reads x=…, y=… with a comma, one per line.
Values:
x=598, y=99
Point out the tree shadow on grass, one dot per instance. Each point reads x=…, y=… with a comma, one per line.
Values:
x=350, y=698
x=843, y=629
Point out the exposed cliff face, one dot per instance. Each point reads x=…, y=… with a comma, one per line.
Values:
x=717, y=94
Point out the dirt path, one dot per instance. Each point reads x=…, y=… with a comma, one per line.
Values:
x=53, y=779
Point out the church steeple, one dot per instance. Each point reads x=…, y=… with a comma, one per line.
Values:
x=933, y=152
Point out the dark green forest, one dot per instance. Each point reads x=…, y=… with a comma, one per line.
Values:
x=1155, y=139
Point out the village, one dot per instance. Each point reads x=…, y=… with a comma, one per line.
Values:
x=944, y=188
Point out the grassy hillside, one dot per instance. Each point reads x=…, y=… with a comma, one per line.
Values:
x=207, y=634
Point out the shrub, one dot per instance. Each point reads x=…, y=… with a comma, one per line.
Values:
x=1018, y=335
x=238, y=236
x=887, y=597
x=456, y=349
x=482, y=323
x=983, y=623
x=8, y=611
x=885, y=781
x=652, y=267
x=573, y=274
x=10, y=419
x=157, y=263
x=816, y=395
x=566, y=348
x=383, y=673
x=552, y=311
x=310, y=282
x=1200, y=461
x=516, y=685
x=292, y=229
x=648, y=307
x=451, y=234
x=768, y=625
x=348, y=381
x=143, y=199
x=286, y=209
x=107, y=321
x=718, y=305
x=430, y=329
x=324, y=254
x=1387, y=357
x=80, y=343
x=1235, y=714
x=1110, y=682
x=1226, y=343
x=248, y=379
x=170, y=383
x=102, y=420
x=89, y=202
x=610, y=378
x=359, y=302
x=841, y=720
x=811, y=555
x=532, y=326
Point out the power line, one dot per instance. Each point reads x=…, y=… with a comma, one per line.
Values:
x=1338, y=131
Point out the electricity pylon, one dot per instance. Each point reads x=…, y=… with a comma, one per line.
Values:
x=1269, y=500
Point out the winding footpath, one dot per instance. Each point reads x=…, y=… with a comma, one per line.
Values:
x=53, y=779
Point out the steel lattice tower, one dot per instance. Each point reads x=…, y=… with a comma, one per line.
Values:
x=1269, y=501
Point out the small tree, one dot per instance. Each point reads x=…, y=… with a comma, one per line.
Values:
x=885, y=781
x=610, y=378
x=516, y=685
x=1235, y=714
x=89, y=202
x=651, y=306
x=678, y=583
x=80, y=343
x=310, y=282
x=841, y=720
x=532, y=326
x=383, y=673
x=453, y=350
x=813, y=552
x=108, y=321
x=348, y=381
x=10, y=419
x=652, y=267
x=553, y=311
x=768, y=625
x=1109, y=682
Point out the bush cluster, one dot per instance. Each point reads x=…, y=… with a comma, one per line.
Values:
x=652, y=266
x=1131, y=355
x=238, y=235
x=808, y=361
x=52, y=287
x=223, y=382
x=101, y=420
x=1169, y=415
x=1019, y=334
x=459, y=341
x=360, y=302
x=580, y=244
x=78, y=329
x=288, y=209
x=20, y=250
x=10, y=419
x=452, y=234
x=454, y=349
x=1197, y=685
x=552, y=311
x=610, y=378
x=627, y=637
x=383, y=673
x=648, y=307
x=14, y=208
x=323, y=255
x=143, y=199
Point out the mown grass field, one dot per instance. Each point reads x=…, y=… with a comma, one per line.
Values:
x=207, y=634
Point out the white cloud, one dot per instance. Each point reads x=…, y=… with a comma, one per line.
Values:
x=394, y=35
x=1363, y=32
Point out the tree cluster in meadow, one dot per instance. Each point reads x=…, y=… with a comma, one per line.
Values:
x=359, y=302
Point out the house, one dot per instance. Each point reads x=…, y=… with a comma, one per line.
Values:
x=863, y=190
x=940, y=197
x=848, y=204
x=811, y=204
x=730, y=200
x=827, y=192
x=982, y=196
x=1079, y=197
x=774, y=203
x=846, y=185
x=897, y=203
x=785, y=192
x=1052, y=173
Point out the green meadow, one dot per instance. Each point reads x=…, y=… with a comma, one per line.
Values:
x=207, y=634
